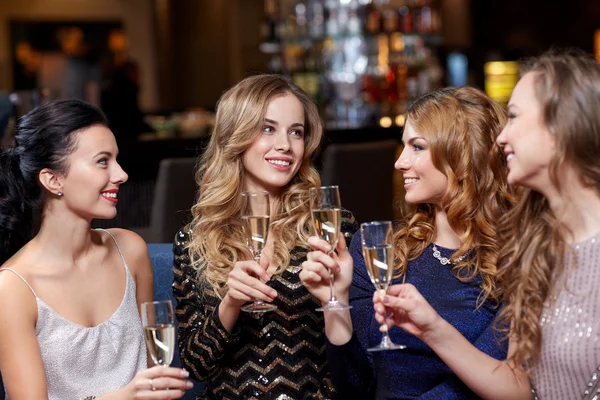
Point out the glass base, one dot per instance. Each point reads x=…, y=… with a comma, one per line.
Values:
x=386, y=344
x=334, y=306
x=259, y=307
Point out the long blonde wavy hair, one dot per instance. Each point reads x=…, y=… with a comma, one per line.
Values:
x=567, y=87
x=461, y=126
x=217, y=239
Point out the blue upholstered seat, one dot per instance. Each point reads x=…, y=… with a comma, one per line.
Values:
x=161, y=255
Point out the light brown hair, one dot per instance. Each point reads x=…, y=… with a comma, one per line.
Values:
x=461, y=126
x=217, y=241
x=567, y=86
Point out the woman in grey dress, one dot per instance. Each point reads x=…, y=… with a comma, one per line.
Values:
x=69, y=295
x=551, y=254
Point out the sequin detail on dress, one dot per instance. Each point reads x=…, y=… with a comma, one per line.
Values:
x=279, y=355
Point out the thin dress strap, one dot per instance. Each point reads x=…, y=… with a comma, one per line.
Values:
x=23, y=279
x=116, y=244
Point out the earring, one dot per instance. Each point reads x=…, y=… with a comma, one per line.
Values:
x=59, y=194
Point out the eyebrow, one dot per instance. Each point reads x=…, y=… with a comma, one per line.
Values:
x=412, y=140
x=294, y=125
x=105, y=153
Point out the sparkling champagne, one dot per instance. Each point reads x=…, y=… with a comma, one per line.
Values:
x=328, y=224
x=160, y=341
x=380, y=265
x=257, y=230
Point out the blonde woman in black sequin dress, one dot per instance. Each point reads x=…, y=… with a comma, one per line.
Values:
x=266, y=131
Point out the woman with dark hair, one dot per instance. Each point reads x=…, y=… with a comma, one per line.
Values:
x=69, y=295
x=549, y=256
x=447, y=245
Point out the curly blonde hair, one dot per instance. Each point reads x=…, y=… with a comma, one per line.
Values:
x=461, y=126
x=567, y=87
x=217, y=239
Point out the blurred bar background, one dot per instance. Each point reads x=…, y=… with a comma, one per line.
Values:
x=157, y=67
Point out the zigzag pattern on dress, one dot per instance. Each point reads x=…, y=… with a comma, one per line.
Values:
x=274, y=355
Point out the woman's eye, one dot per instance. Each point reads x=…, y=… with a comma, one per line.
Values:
x=511, y=116
x=103, y=161
x=418, y=147
x=268, y=129
x=297, y=133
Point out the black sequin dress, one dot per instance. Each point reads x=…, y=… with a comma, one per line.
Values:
x=274, y=355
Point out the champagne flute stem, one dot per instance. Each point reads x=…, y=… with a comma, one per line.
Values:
x=332, y=298
x=385, y=332
x=257, y=259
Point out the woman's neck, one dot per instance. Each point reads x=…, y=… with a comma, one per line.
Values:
x=577, y=208
x=63, y=236
x=444, y=235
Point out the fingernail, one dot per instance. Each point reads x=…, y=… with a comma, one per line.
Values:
x=189, y=385
x=185, y=373
x=273, y=294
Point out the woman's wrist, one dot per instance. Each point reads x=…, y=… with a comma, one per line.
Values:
x=343, y=297
x=436, y=332
x=229, y=311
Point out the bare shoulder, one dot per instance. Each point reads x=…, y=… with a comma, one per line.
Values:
x=16, y=297
x=133, y=247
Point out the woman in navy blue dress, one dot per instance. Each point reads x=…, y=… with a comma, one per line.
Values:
x=456, y=190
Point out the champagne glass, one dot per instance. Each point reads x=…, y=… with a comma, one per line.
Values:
x=255, y=218
x=378, y=251
x=158, y=320
x=327, y=219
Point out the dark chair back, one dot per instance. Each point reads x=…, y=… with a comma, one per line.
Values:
x=175, y=193
x=365, y=173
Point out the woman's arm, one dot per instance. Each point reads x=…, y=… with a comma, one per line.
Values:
x=487, y=342
x=203, y=340
x=350, y=364
x=319, y=268
x=20, y=357
x=488, y=377
x=357, y=371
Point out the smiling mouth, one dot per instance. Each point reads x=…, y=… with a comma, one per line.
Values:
x=280, y=163
x=509, y=157
x=408, y=181
x=112, y=196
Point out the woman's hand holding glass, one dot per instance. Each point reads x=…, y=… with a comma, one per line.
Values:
x=378, y=252
x=160, y=382
x=155, y=383
x=256, y=216
x=406, y=308
x=322, y=265
x=326, y=212
x=247, y=282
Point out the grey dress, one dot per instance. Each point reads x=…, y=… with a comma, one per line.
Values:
x=84, y=361
x=570, y=350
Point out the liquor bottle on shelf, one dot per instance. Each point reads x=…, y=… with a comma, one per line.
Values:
x=362, y=61
x=316, y=18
